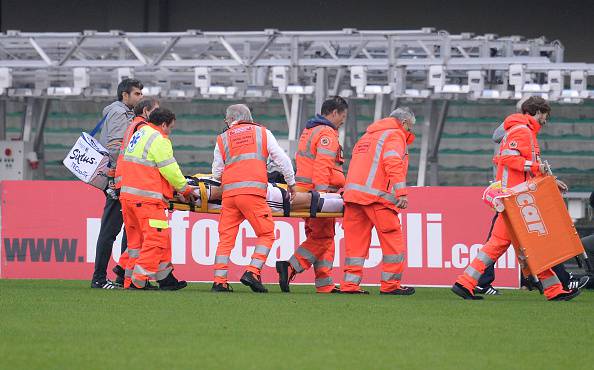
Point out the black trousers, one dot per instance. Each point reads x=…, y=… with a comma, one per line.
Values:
x=111, y=224
x=488, y=276
x=588, y=242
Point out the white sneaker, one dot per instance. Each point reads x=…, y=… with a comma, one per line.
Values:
x=486, y=290
x=107, y=284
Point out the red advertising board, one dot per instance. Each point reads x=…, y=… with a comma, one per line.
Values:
x=49, y=231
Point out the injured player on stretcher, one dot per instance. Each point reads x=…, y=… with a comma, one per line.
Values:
x=316, y=204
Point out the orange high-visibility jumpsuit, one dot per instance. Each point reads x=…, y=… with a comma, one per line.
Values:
x=244, y=151
x=376, y=178
x=133, y=250
x=319, y=168
x=517, y=161
x=149, y=173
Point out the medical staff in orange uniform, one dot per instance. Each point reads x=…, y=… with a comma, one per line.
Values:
x=517, y=161
x=142, y=110
x=375, y=192
x=240, y=163
x=150, y=174
x=319, y=169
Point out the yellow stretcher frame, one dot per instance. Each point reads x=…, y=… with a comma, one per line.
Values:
x=203, y=208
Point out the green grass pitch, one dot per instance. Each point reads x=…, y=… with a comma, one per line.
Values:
x=67, y=325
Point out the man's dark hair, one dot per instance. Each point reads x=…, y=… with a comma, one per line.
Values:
x=127, y=85
x=148, y=103
x=161, y=115
x=535, y=104
x=335, y=102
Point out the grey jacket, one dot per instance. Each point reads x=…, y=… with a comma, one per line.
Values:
x=118, y=118
x=498, y=134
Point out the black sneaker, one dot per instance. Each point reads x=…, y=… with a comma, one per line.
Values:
x=171, y=283
x=221, y=288
x=486, y=290
x=335, y=290
x=360, y=291
x=284, y=278
x=118, y=270
x=403, y=290
x=578, y=283
x=120, y=274
x=148, y=286
x=253, y=281
x=566, y=296
x=119, y=282
x=107, y=284
x=464, y=293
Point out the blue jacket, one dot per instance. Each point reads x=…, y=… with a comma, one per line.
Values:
x=318, y=120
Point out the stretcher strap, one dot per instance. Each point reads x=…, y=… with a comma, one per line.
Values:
x=203, y=197
x=313, y=208
x=192, y=206
x=286, y=201
x=320, y=204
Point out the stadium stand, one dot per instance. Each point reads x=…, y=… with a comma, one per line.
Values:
x=465, y=151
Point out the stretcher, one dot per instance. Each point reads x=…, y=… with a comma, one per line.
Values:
x=539, y=225
x=305, y=205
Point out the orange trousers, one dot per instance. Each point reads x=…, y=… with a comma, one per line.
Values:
x=357, y=224
x=234, y=210
x=149, y=251
x=317, y=250
x=491, y=251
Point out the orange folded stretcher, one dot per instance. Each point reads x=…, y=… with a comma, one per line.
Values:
x=540, y=228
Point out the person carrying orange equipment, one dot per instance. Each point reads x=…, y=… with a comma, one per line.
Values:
x=517, y=161
x=150, y=174
x=240, y=163
x=568, y=280
x=375, y=192
x=319, y=169
x=142, y=110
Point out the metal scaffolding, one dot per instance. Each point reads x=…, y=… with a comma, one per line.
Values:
x=383, y=65
x=410, y=63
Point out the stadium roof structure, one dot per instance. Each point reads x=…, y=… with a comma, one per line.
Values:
x=416, y=64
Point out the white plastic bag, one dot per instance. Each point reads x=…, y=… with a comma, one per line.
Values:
x=88, y=160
